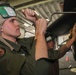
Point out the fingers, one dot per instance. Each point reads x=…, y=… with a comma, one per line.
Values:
x=73, y=32
x=74, y=28
x=41, y=22
x=28, y=12
x=41, y=25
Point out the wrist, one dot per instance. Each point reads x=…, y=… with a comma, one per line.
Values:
x=39, y=35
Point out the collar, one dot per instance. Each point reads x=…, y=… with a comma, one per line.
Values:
x=14, y=45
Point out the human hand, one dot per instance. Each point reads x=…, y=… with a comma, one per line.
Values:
x=29, y=14
x=41, y=26
x=73, y=31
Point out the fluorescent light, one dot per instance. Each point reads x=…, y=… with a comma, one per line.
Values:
x=47, y=19
x=26, y=24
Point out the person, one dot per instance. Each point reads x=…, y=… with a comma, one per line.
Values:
x=54, y=65
x=20, y=56
x=24, y=56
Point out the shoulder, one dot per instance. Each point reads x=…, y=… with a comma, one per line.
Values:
x=2, y=51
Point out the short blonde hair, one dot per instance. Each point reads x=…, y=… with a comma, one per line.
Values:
x=1, y=22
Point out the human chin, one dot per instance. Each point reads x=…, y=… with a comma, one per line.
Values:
x=17, y=35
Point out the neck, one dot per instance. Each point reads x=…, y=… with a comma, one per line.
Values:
x=10, y=38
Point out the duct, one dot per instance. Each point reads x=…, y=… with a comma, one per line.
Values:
x=62, y=25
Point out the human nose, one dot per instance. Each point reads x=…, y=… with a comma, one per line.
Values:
x=16, y=22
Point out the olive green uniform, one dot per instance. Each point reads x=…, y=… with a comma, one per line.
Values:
x=21, y=61
x=54, y=65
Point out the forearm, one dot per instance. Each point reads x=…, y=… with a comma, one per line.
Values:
x=41, y=47
x=66, y=47
x=70, y=42
x=62, y=50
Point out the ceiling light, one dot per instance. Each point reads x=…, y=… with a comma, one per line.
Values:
x=26, y=24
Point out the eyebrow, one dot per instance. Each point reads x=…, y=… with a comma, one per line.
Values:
x=13, y=19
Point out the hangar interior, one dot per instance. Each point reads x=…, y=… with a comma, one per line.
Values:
x=45, y=9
